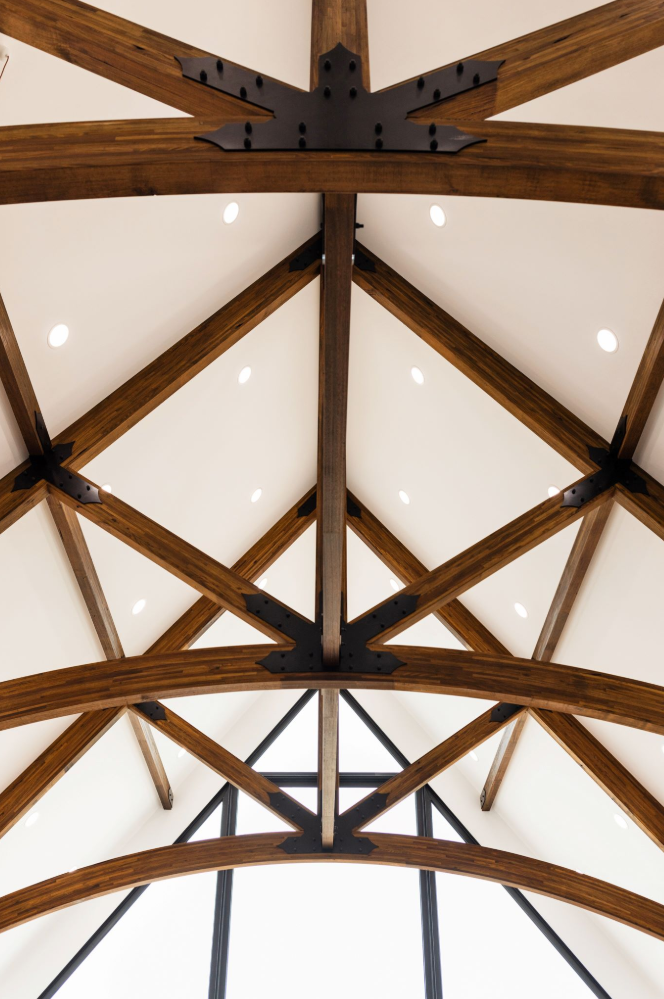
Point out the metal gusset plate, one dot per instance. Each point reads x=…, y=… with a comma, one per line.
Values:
x=307, y=655
x=49, y=468
x=361, y=813
x=612, y=470
x=153, y=710
x=309, y=256
x=362, y=261
x=310, y=839
x=354, y=656
x=308, y=506
x=340, y=113
x=502, y=712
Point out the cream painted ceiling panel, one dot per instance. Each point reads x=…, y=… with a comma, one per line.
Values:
x=536, y=281
x=194, y=463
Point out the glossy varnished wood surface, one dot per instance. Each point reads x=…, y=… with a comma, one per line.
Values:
x=334, y=21
x=428, y=670
x=540, y=162
x=17, y=384
x=397, y=851
x=645, y=388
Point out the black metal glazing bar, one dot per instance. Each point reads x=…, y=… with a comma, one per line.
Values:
x=221, y=931
x=565, y=952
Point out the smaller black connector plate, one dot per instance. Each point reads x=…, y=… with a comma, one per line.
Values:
x=502, y=712
x=153, y=710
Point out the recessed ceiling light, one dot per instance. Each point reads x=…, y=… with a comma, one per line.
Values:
x=58, y=335
x=521, y=610
x=397, y=586
x=473, y=755
x=553, y=491
x=31, y=819
x=404, y=497
x=181, y=753
x=262, y=583
x=231, y=212
x=139, y=606
x=417, y=376
x=244, y=375
x=107, y=487
x=608, y=341
x=663, y=747
x=256, y=495
x=619, y=821
x=437, y=216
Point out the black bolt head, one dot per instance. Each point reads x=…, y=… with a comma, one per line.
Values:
x=476, y=79
x=303, y=127
x=247, y=128
x=436, y=95
x=259, y=81
x=220, y=66
x=302, y=143
x=379, y=143
x=460, y=68
x=420, y=83
x=327, y=92
x=247, y=143
x=432, y=129
x=327, y=65
x=433, y=145
x=203, y=76
x=352, y=65
x=378, y=128
x=243, y=91
x=353, y=92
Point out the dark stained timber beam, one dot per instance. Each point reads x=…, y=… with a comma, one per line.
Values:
x=119, y=50
x=558, y=55
x=569, y=689
x=645, y=388
x=339, y=21
x=540, y=162
x=17, y=385
x=417, y=852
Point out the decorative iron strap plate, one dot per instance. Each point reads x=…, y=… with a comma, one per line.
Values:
x=48, y=466
x=340, y=113
x=612, y=470
x=310, y=840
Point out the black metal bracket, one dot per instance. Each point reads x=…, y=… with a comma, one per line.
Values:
x=502, y=712
x=309, y=505
x=48, y=466
x=310, y=840
x=340, y=113
x=309, y=256
x=152, y=709
x=612, y=471
x=354, y=655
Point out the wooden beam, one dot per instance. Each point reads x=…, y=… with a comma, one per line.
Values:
x=558, y=55
x=645, y=388
x=328, y=764
x=569, y=689
x=517, y=393
x=17, y=385
x=647, y=508
x=542, y=162
x=224, y=763
x=501, y=761
x=463, y=624
x=423, y=770
x=211, y=578
x=334, y=21
x=119, y=50
x=421, y=853
x=20, y=796
x=481, y=560
x=614, y=779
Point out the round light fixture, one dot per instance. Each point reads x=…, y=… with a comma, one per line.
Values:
x=473, y=755
x=397, y=586
x=181, y=753
x=262, y=583
x=256, y=495
x=139, y=606
x=608, y=341
x=521, y=610
x=244, y=375
x=107, y=487
x=553, y=491
x=417, y=376
x=437, y=216
x=231, y=212
x=31, y=819
x=404, y=497
x=58, y=335
x=620, y=821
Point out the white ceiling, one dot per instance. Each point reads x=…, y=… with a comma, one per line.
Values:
x=533, y=280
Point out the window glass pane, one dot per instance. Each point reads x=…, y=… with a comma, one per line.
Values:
x=296, y=749
x=478, y=917
x=359, y=749
x=161, y=946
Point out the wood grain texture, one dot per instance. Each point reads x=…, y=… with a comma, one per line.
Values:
x=417, y=852
x=501, y=761
x=20, y=796
x=224, y=763
x=569, y=689
x=211, y=578
x=558, y=55
x=17, y=384
x=336, y=286
x=119, y=50
x=647, y=508
x=423, y=770
x=522, y=160
x=481, y=560
x=645, y=388
x=328, y=764
x=614, y=779
x=14, y=505
x=465, y=627
x=334, y=21
x=517, y=393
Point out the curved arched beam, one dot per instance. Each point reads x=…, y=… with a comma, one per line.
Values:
x=396, y=851
x=433, y=671
x=113, y=159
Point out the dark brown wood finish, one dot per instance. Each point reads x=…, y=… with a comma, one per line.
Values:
x=501, y=761
x=17, y=385
x=569, y=689
x=558, y=55
x=417, y=852
x=121, y=51
x=645, y=388
x=536, y=162
x=334, y=21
